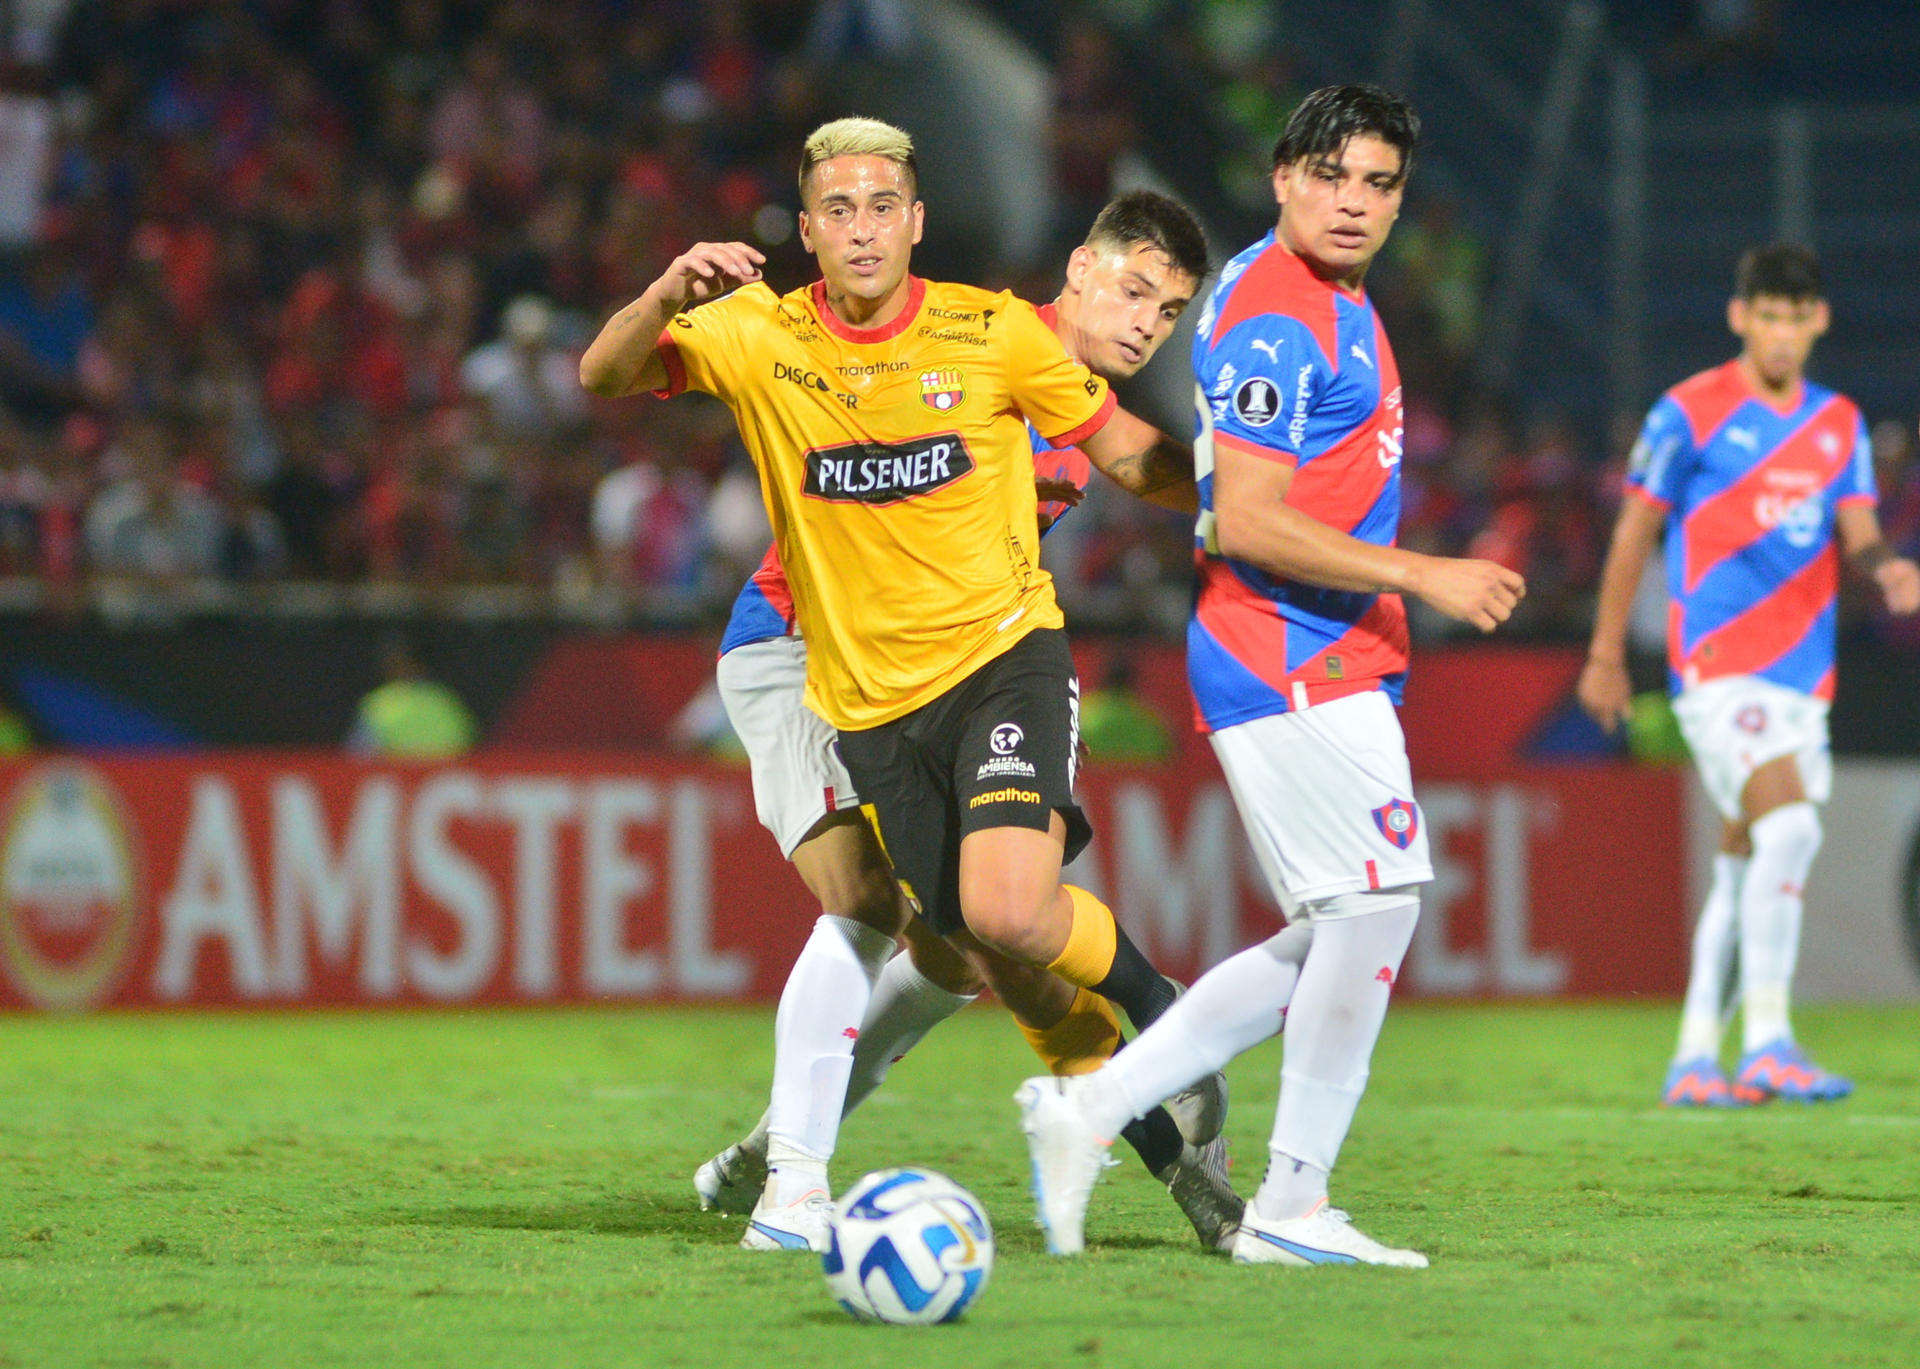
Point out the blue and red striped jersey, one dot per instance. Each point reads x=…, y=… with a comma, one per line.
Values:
x=1750, y=491
x=1292, y=368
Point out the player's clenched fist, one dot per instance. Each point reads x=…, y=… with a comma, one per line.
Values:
x=707, y=269
x=1483, y=593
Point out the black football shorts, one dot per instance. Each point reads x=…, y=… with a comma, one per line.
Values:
x=996, y=750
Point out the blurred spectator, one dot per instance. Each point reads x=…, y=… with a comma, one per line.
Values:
x=531, y=384
x=648, y=523
x=152, y=524
x=408, y=716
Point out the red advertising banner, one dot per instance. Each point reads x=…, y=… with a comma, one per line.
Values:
x=311, y=879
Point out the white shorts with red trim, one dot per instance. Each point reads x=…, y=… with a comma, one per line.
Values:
x=797, y=775
x=1327, y=799
x=1737, y=723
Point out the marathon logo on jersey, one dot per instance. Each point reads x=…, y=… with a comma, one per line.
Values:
x=1004, y=796
x=1399, y=822
x=1257, y=402
x=943, y=389
x=886, y=472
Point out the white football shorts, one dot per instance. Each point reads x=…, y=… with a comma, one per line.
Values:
x=1737, y=723
x=797, y=775
x=1326, y=796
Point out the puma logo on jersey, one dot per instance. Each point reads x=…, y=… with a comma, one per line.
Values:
x=1360, y=354
x=1744, y=437
x=1272, y=349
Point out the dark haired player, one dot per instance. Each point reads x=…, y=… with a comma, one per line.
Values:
x=1297, y=652
x=1753, y=472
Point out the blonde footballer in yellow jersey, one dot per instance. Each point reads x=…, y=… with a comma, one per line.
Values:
x=898, y=474
x=911, y=548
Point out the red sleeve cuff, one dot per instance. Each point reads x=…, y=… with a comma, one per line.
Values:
x=1647, y=496
x=669, y=353
x=1870, y=500
x=1255, y=449
x=1090, y=427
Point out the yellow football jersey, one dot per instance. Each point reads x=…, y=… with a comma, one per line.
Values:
x=898, y=475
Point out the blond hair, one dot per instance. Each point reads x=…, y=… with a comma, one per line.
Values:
x=857, y=137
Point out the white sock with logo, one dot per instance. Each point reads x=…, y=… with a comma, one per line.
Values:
x=1785, y=842
x=1231, y=1008
x=814, y=1031
x=1715, y=938
x=906, y=1005
x=1332, y=1025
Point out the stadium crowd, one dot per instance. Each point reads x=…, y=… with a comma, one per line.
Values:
x=296, y=291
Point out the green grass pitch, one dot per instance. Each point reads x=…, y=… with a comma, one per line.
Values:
x=510, y=1188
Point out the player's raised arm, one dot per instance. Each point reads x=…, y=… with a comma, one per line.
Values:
x=1867, y=551
x=623, y=359
x=1144, y=461
x=1604, y=689
x=1253, y=522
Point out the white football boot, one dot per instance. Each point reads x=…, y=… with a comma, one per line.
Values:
x=803, y=1224
x=731, y=1181
x=1067, y=1159
x=1324, y=1236
x=1198, y=1182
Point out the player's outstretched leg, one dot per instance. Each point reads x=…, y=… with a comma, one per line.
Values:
x=1235, y=1005
x=1785, y=842
x=1191, y=1163
x=1694, y=1077
x=1333, y=1021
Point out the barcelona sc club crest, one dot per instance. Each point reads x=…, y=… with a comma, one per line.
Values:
x=1399, y=822
x=942, y=390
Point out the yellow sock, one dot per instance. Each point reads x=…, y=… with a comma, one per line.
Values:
x=1091, y=941
x=1082, y=1041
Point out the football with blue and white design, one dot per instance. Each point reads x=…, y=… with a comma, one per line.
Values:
x=909, y=1247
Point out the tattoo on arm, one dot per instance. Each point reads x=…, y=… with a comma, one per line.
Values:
x=1166, y=463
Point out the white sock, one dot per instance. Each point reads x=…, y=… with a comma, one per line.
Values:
x=1785, y=843
x=1231, y=1008
x=1332, y=1026
x=1291, y=1188
x=1715, y=936
x=813, y=1035
x=905, y=1006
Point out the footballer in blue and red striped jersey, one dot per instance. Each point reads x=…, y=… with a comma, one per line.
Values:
x=1751, y=489
x=1760, y=481
x=1294, y=368
x=1296, y=652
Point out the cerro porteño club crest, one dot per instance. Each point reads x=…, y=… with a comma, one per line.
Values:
x=1398, y=822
